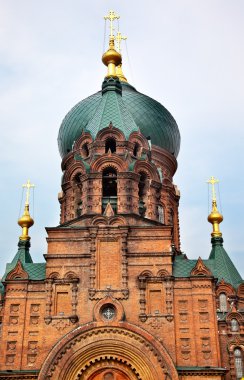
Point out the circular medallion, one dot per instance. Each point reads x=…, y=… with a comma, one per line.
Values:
x=108, y=312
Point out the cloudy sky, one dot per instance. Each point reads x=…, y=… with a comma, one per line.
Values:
x=187, y=54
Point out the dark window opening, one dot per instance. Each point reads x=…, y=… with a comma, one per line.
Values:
x=77, y=193
x=136, y=149
x=85, y=150
x=109, y=188
x=110, y=144
x=79, y=209
x=77, y=178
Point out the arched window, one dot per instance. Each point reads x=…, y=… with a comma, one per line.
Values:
x=238, y=363
x=223, y=302
x=142, y=191
x=160, y=214
x=85, y=150
x=109, y=188
x=136, y=149
x=234, y=325
x=77, y=187
x=110, y=144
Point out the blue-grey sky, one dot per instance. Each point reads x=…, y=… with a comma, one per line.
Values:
x=187, y=54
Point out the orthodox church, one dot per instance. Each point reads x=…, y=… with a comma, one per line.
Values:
x=116, y=299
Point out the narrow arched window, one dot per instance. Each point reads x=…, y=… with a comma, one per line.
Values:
x=142, y=191
x=109, y=188
x=160, y=214
x=85, y=150
x=136, y=149
x=77, y=191
x=238, y=363
x=223, y=302
x=234, y=325
x=110, y=144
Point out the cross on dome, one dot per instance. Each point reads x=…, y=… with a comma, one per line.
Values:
x=119, y=39
x=28, y=186
x=111, y=17
x=213, y=181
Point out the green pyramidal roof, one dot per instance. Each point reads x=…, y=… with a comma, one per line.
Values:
x=36, y=271
x=219, y=263
x=128, y=110
x=224, y=267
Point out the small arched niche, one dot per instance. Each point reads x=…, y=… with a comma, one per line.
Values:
x=110, y=145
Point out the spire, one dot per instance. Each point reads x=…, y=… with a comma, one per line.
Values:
x=223, y=267
x=111, y=58
x=26, y=221
x=119, y=71
x=215, y=218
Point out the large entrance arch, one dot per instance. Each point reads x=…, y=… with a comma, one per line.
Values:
x=123, y=352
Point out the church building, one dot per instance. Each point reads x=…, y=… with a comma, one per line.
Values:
x=115, y=298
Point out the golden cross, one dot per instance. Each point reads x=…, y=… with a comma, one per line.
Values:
x=119, y=38
x=111, y=17
x=28, y=186
x=213, y=181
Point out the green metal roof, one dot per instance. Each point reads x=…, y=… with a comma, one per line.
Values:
x=36, y=271
x=224, y=267
x=134, y=111
x=219, y=263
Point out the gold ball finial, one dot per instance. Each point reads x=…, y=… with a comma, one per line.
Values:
x=215, y=218
x=25, y=222
x=111, y=58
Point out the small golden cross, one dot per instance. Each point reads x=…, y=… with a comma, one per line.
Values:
x=213, y=181
x=28, y=186
x=119, y=38
x=111, y=17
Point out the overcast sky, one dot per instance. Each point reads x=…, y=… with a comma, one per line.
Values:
x=187, y=54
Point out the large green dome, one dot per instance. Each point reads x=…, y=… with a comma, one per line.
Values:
x=132, y=111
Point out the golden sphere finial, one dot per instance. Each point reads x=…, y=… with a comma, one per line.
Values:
x=111, y=58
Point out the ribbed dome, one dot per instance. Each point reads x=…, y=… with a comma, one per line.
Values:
x=144, y=113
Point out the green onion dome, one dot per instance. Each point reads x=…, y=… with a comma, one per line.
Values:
x=127, y=109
